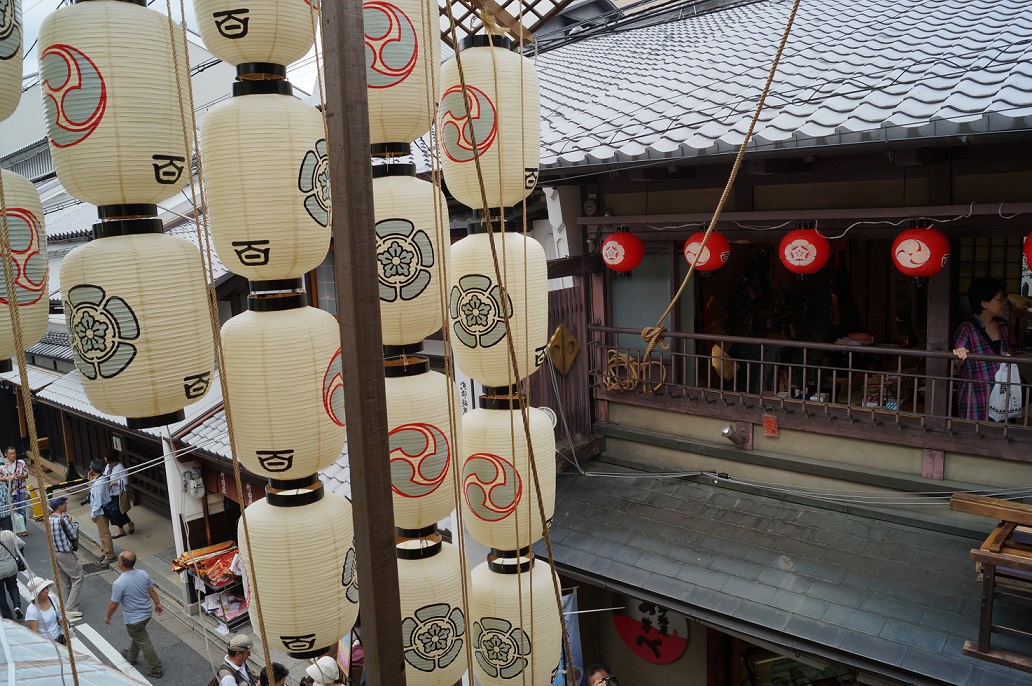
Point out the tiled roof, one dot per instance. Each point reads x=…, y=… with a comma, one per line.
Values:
x=54, y=345
x=879, y=597
x=852, y=72
x=67, y=392
x=212, y=436
x=73, y=220
x=38, y=378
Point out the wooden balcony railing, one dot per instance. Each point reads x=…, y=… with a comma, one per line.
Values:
x=820, y=386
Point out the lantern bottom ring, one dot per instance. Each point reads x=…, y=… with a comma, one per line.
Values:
x=156, y=420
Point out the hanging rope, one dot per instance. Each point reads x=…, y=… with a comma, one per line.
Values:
x=26, y=398
x=204, y=239
x=653, y=335
x=625, y=373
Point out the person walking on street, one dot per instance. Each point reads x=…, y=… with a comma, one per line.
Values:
x=135, y=592
x=100, y=504
x=42, y=615
x=14, y=472
x=65, y=532
x=6, y=521
x=119, y=484
x=10, y=545
x=234, y=671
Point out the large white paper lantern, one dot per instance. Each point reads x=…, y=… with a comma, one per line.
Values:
x=267, y=182
x=258, y=30
x=278, y=356
x=478, y=307
x=515, y=626
x=403, y=58
x=433, y=625
x=109, y=85
x=137, y=316
x=499, y=500
x=302, y=561
x=11, y=46
x=412, y=234
x=503, y=96
x=422, y=444
x=24, y=215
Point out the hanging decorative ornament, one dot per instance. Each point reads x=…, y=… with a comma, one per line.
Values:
x=715, y=253
x=403, y=58
x=135, y=304
x=261, y=31
x=479, y=307
x=24, y=215
x=1027, y=249
x=114, y=120
x=804, y=250
x=499, y=500
x=421, y=441
x=920, y=251
x=412, y=233
x=433, y=626
x=495, y=117
x=515, y=627
x=277, y=357
x=269, y=203
x=302, y=558
x=11, y=46
x=622, y=251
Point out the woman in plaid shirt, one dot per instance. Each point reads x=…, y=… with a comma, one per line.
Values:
x=986, y=333
x=14, y=472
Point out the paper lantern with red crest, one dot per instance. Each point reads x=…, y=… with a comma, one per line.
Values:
x=804, y=251
x=920, y=251
x=623, y=251
x=715, y=253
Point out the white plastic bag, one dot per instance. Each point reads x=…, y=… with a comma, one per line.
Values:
x=1005, y=396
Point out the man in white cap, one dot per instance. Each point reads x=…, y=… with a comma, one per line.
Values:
x=65, y=532
x=326, y=670
x=234, y=671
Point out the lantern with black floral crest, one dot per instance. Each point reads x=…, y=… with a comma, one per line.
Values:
x=515, y=627
x=23, y=214
x=411, y=238
x=269, y=203
x=116, y=127
x=282, y=367
x=422, y=442
x=307, y=583
x=11, y=46
x=433, y=626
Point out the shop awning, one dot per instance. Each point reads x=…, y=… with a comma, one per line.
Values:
x=888, y=600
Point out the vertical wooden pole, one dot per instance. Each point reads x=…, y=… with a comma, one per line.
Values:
x=940, y=292
x=358, y=307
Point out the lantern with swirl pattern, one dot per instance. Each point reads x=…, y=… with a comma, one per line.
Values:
x=920, y=252
x=28, y=237
x=715, y=253
x=11, y=47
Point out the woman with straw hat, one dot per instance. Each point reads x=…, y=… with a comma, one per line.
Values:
x=42, y=615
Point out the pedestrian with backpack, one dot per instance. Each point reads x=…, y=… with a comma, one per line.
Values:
x=234, y=671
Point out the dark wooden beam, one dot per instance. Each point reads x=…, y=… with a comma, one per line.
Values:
x=358, y=307
x=572, y=266
x=994, y=508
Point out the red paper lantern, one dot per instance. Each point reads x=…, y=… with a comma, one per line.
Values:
x=715, y=253
x=920, y=252
x=804, y=251
x=622, y=251
x=1028, y=251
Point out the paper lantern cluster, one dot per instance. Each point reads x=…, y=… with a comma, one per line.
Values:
x=268, y=194
x=118, y=128
x=920, y=252
x=489, y=128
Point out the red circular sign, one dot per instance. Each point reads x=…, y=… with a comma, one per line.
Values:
x=920, y=252
x=622, y=251
x=715, y=253
x=804, y=251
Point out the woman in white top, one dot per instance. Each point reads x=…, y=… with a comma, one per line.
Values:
x=42, y=616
